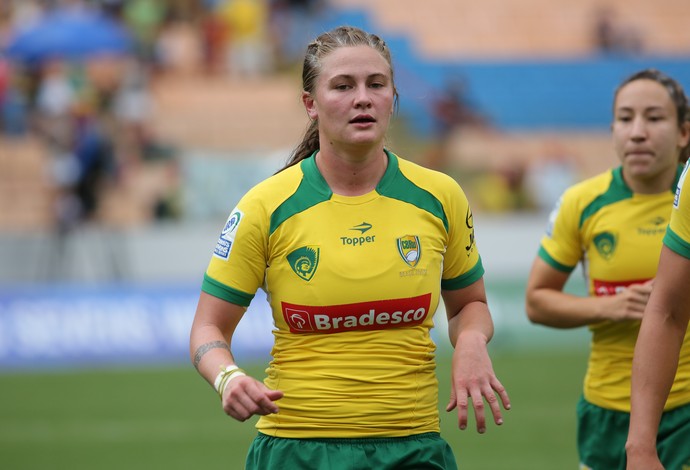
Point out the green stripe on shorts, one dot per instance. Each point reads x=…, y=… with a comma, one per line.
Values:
x=426, y=451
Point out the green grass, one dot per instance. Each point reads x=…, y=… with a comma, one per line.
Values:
x=169, y=418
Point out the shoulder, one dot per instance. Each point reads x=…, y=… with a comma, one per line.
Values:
x=419, y=173
x=591, y=188
x=438, y=184
x=275, y=189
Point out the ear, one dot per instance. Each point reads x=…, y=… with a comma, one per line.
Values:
x=309, y=105
x=684, y=136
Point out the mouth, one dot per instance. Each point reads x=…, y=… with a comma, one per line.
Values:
x=362, y=119
x=639, y=153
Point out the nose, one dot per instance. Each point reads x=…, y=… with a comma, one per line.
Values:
x=638, y=132
x=362, y=98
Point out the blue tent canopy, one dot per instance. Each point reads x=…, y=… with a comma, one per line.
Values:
x=69, y=33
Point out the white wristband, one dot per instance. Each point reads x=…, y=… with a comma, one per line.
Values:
x=223, y=372
x=225, y=376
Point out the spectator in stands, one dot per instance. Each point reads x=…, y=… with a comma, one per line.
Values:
x=549, y=174
x=614, y=224
x=353, y=377
x=611, y=37
x=145, y=18
x=246, y=25
x=452, y=112
x=291, y=24
x=4, y=89
x=213, y=39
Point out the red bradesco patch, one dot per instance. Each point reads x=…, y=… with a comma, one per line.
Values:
x=603, y=288
x=378, y=315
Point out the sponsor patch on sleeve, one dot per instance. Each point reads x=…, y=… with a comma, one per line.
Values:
x=227, y=235
x=679, y=188
x=553, y=215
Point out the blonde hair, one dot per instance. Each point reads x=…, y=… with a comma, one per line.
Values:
x=322, y=46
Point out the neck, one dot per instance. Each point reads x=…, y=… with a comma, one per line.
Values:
x=653, y=185
x=352, y=174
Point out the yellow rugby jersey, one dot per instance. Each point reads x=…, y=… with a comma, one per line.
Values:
x=617, y=235
x=677, y=236
x=353, y=283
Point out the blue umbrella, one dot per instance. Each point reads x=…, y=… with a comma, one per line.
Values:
x=71, y=33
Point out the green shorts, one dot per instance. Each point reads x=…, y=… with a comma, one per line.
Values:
x=601, y=436
x=426, y=451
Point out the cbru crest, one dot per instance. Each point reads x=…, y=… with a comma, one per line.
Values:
x=410, y=249
x=304, y=261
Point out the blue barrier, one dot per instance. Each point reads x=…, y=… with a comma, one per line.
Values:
x=56, y=325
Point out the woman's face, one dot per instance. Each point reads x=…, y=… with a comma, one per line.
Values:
x=353, y=98
x=646, y=135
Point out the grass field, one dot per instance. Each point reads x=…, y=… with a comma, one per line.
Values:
x=169, y=418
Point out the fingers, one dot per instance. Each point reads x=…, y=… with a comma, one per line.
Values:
x=502, y=393
x=478, y=405
x=630, y=303
x=246, y=397
x=492, y=398
x=461, y=402
x=494, y=394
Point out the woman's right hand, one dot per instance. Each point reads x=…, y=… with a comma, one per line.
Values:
x=245, y=397
x=629, y=304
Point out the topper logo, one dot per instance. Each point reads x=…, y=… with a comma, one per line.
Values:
x=376, y=315
x=602, y=288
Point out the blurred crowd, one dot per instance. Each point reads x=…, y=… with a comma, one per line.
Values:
x=77, y=75
x=91, y=107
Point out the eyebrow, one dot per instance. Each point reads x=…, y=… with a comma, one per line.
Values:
x=649, y=108
x=348, y=76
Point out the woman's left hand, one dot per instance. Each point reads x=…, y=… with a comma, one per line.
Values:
x=473, y=379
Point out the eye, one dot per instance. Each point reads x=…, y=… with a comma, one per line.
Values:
x=341, y=86
x=624, y=118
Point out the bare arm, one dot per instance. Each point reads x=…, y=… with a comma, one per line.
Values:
x=470, y=328
x=656, y=357
x=210, y=340
x=547, y=304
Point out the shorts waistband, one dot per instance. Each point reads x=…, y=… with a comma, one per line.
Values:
x=358, y=440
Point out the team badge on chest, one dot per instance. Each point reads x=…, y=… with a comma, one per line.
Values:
x=606, y=244
x=304, y=261
x=410, y=249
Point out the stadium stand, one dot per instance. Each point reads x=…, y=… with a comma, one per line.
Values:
x=499, y=29
x=25, y=193
x=530, y=67
x=222, y=113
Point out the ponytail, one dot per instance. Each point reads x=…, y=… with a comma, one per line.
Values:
x=309, y=145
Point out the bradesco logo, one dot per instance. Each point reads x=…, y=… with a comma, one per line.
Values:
x=603, y=288
x=378, y=315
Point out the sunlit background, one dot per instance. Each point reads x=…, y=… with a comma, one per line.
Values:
x=130, y=128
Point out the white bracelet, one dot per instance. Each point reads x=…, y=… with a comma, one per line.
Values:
x=223, y=372
x=225, y=376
